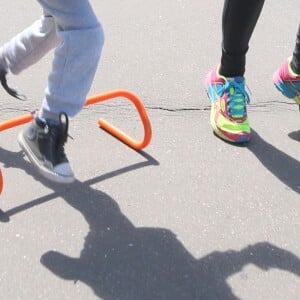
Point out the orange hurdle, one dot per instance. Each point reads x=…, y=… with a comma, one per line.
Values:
x=119, y=134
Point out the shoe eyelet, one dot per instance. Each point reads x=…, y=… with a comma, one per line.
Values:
x=46, y=129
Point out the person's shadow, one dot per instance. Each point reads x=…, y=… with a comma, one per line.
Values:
x=125, y=262
x=122, y=261
x=295, y=135
x=283, y=166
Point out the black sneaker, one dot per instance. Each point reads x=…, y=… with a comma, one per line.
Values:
x=43, y=143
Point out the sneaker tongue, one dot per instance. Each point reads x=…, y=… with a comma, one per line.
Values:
x=237, y=105
x=238, y=79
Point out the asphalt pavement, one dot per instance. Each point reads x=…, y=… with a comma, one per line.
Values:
x=189, y=217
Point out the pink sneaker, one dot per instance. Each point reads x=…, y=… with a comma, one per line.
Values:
x=287, y=82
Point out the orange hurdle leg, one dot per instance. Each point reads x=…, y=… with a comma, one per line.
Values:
x=119, y=134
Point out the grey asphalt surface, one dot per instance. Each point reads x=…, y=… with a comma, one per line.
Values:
x=190, y=217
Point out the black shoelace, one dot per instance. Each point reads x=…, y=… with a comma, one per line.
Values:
x=63, y=135
x=8, y=89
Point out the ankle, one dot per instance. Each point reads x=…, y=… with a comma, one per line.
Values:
x=295, y=67
x=48, y=117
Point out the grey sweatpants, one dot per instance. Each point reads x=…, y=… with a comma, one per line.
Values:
x=71, y=27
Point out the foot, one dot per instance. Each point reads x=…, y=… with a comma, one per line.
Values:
x=228, y=98
x=43, y=143
x=287, y=81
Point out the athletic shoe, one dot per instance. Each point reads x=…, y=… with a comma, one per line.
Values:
x=287, y=82
x=43, y=143
x=228, y=115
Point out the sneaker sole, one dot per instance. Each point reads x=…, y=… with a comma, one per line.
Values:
x=297, y=99
x=42, y=170
x=279, y=83
x=237, y=139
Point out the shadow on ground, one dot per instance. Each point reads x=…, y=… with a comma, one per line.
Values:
x=122, y=261
x=295, y=135
x=283, y=166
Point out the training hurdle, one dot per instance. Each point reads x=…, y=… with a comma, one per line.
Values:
x=103, y=124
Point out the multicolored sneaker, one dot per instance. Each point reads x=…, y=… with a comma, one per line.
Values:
x=228, y=115
x=287, y=82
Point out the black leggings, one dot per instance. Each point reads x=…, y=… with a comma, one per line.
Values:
x=295, y=64
x=238, y=22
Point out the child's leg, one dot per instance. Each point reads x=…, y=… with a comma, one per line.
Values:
x=29, y=46
x=75, y=59
x=74, y=65
x=238, y=22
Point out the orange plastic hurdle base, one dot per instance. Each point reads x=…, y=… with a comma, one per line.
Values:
x=116, y=132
